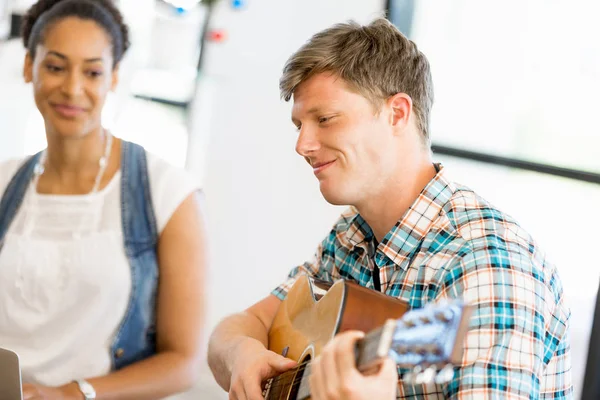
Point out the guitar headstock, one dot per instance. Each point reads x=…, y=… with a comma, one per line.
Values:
x=426, y=341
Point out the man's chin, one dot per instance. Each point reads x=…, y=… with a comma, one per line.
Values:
x=334, y=198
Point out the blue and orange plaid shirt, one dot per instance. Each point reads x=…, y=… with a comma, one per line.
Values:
x=451, y=243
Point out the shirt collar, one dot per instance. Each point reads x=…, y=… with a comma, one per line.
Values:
x=405, y=238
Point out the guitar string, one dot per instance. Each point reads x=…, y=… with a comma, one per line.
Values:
x=278, y=382
x=301, y=367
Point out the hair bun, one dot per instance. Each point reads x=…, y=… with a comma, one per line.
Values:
x=32, y=15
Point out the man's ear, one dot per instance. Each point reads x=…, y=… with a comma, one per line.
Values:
x=401, y=107
x=28, y=68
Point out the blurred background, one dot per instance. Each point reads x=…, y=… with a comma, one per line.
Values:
x=516, y=87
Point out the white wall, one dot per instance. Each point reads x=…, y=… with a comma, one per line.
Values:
x=16, y=101
x=4, y=19
x=266, y=212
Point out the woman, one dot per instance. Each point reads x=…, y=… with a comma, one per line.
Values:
x=102, y=245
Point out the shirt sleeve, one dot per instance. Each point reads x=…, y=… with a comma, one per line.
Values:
x=517, y=346
x=310, y=268
x=322, y=266
x=169, y=186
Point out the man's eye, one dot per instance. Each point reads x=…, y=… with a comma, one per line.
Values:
x=324, y=119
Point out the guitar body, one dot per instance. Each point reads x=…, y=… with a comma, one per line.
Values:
x=314, y=312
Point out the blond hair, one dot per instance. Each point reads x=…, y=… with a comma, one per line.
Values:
x=375, y=60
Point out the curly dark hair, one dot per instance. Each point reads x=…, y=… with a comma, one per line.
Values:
x=44, y=13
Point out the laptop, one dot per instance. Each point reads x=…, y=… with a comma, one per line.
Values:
x=10, y=376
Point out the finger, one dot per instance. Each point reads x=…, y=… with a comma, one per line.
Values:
x=329, y=372
x=386, y=377
x=30, y=394
x=29, y=391
x=27, y=395
x=236, y=393
x=388, y=370
x=28, y=387
x=344, y=353
x=280, y=363
x=253, y=390
x=252, y=382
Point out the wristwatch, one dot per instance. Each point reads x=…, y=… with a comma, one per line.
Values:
x=86, y=388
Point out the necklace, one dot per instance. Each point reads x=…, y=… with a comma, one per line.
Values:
x=40, y=168
x=32, y=213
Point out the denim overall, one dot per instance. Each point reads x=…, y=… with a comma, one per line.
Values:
x=136, y=336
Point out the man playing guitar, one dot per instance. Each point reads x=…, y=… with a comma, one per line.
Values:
x=361, y=102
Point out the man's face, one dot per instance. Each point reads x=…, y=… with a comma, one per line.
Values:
x=350, y=146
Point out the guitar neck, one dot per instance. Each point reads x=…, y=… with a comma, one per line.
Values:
x=374, y=347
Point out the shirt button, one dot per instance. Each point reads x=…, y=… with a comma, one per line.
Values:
x=119, y=353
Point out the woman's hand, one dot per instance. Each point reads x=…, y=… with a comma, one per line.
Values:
x=38, y=392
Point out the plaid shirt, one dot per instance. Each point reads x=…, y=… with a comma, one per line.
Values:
x=451, y=243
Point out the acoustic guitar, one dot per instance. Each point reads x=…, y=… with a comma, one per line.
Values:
x=423, y=342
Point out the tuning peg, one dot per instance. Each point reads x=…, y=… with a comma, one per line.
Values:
x=409, y=323
x=401, y=349
x=409, y=378
x=412, y=376
x=420, y=378
x=444, y=315
x=427, y=376
x=431, y=348
x=445, y=375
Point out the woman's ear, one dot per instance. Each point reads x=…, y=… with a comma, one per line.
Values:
x=28, y=68
x=115, y=78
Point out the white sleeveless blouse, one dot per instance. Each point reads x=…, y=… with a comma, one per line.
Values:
x=64, y=278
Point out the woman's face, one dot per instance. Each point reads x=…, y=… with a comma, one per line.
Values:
x=72, y=73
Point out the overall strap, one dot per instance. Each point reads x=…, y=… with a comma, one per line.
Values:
x=15, y=193
x=138, y=219
x=136, y=336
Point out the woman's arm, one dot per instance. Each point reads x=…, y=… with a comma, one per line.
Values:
x=182, y=259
